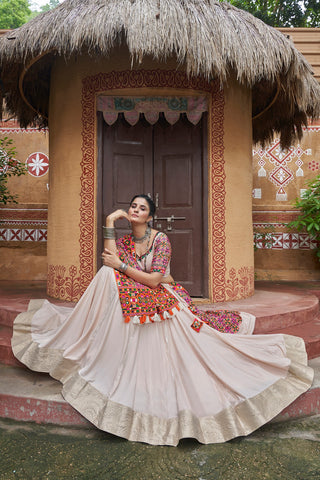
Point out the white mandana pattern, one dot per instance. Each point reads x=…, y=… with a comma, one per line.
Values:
x=280, y=175
x=37, y=164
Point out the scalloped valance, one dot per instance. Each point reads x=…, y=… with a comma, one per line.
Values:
x=151, y=107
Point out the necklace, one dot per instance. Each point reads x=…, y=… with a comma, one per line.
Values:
x=145, y=236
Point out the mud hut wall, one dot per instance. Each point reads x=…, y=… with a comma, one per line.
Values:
x=23, y=226
x=73, y=148
x=238, y=171
x=65, y=171
x=279, y=177
x=72, y=221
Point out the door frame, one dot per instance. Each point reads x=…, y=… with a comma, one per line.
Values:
x=204, y=199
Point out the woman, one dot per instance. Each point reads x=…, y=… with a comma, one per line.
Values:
x=138, y=360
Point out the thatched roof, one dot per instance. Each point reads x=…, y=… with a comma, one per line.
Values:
x=209, y=38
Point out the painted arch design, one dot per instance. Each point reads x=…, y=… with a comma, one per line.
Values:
x=103, y=82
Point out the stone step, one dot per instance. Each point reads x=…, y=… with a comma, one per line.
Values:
x=308, y=403
x=272, y=309
x=36, y=397
x=310, y=332
x=6, y=354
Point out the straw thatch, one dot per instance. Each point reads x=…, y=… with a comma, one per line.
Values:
x=209, y=38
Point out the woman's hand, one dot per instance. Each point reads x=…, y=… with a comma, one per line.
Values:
x=110, y=259
x=116, y=215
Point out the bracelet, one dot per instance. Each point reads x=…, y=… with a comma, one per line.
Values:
x=123, y=267
x=109, y=233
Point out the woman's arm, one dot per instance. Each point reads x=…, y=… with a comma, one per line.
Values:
x=110, y=243
x=152, y=280
x=167, y=279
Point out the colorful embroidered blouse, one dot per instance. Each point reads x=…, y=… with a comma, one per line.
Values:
x=146, y=305
x=143, y=303
x=156, y=259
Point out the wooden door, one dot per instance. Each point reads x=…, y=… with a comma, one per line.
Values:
x=127, y=166
x=167, y=162
x=178, y=188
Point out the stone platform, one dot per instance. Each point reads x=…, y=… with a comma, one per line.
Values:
x=278, y=307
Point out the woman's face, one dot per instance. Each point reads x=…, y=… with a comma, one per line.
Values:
x=139, y=211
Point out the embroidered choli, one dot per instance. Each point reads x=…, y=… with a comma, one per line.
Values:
x=156, y=259
x=147, y=305
x=140, y=303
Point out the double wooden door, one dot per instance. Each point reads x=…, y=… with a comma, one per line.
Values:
x=167, y=163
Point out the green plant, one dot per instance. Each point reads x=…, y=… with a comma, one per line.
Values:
x=9, y=167
x=309, y=216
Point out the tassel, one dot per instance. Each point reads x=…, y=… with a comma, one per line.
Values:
x=143, y=319
x=136, y=320
x=127, y=319
x=178, y=308
x=171, y=312
x=166, y=315
x=156, y=318
x=150, y=319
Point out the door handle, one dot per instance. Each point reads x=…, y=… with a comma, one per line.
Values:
x=172, y=218
x=169, y=220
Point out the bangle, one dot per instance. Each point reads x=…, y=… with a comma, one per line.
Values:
x=123, y=267
x=109, y=233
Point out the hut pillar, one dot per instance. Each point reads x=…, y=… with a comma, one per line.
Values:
x=239, y=254
x=72, y=218
x=63, y=251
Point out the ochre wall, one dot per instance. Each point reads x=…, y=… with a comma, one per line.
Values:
x=238, y=170
x=23, y=232
x=292, y=255
x=279, y=178
x=69, y=254
x=23, y=227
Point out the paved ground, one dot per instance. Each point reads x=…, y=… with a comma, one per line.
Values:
x=286, y=451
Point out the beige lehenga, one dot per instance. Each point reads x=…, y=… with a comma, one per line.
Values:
x=154, y=378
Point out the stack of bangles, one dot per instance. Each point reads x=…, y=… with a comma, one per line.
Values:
x=109, y=233
x=123, y=267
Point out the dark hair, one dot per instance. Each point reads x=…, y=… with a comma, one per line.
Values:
x=152, y=207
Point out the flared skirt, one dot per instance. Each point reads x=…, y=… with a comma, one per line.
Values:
x=160, y=382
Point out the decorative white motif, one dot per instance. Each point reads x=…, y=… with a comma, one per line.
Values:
x=281, y=175
x=37, y=164
x=286, y=241
x=261, y=162
x=256, y=193
x=23, y=234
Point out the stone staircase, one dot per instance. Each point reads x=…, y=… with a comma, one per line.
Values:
x=31, y=396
